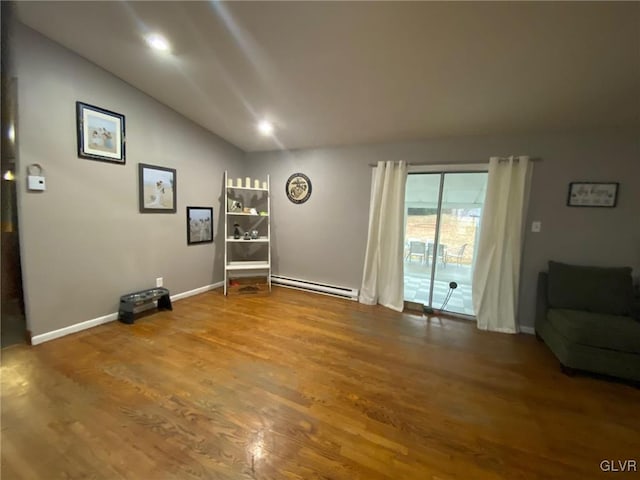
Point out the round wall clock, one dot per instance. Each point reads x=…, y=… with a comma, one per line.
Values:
x=298, y=188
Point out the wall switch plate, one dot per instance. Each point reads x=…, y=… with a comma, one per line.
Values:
x=159, y=282
x=536, y=226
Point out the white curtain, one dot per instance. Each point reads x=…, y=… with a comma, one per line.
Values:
x=382, y=280
x=496, y=276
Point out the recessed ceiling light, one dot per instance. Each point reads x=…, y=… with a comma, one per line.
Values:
x=265, y=127
x=158, y=42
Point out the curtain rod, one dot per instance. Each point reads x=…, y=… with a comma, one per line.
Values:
x=421, y=164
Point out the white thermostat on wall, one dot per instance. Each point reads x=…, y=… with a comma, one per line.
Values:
x=35, y=179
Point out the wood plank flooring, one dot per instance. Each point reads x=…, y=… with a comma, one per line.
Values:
x=303, y=386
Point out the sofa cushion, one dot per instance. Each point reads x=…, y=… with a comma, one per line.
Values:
x=594, y=289
x=613, y=332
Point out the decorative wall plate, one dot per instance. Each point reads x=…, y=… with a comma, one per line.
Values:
x=298, y=188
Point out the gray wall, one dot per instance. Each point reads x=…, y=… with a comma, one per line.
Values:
x=324, y=239
x=83, y=241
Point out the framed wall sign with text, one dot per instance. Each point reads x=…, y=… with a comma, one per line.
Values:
x=593, y=194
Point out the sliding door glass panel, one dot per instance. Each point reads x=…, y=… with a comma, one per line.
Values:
x=462, y=202
x=421, y=208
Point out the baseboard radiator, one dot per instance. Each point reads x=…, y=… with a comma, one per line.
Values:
x=315, y=287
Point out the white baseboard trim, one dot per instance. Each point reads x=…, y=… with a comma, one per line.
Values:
x=94, y=322
x=197, y=291
x=78, y=327
x=528, y=330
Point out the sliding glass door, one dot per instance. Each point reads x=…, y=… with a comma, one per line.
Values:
x=421, y=213
x=442, y=217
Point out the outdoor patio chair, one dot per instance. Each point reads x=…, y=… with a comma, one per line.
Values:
x=442, y=252
x=455, y=254
x=416, y=249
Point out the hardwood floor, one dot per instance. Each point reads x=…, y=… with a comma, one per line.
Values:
x=303, y=386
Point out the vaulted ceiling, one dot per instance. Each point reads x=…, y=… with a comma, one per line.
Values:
x=333, y=73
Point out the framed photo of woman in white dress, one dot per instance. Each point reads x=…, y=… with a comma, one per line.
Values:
x=199, y=225
x=157, y=189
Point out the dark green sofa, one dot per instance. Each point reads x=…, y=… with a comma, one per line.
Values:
x=588, y=317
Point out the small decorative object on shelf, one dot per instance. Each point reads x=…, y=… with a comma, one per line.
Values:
x=248, y=286
x=247, y=236
x=235, y=206
x=236, y=231
x=254, y=234
x=264, y=185
x=256, y=183
x=247, y=182
x=230, y=182
x=239, y=182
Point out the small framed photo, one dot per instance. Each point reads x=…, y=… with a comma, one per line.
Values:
x=593, y=194
x=199, y=225
x=156, y=189
x=101, y=134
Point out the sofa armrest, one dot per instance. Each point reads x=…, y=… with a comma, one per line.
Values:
x=635, y=306
x=541, y=300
